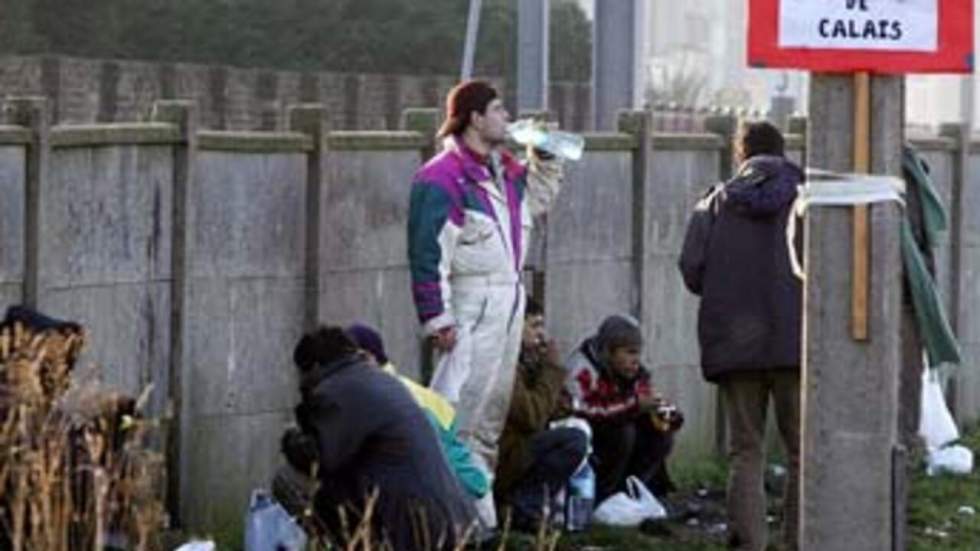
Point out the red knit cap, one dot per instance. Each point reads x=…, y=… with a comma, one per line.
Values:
x=463, y=99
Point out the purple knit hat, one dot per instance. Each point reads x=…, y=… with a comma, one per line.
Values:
x=368, y=339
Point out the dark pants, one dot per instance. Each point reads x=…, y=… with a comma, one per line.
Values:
x=634, y=448
x=556, y=454
x=746, y=399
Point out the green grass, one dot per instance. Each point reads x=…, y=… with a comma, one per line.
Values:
x=934, y=504
x=625, y=538
x=934, y=520
x=705, y=473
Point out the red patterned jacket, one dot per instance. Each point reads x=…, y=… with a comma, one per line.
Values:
x=596, y=394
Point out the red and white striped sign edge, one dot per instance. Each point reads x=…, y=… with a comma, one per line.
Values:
x=953, y=52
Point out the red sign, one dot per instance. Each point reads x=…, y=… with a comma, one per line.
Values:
x=879, y=36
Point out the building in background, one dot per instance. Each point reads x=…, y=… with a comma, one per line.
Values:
x=697, y=57
x=931, y=100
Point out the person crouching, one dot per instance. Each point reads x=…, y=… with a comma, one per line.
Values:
x=373, y=446
x=632, y=425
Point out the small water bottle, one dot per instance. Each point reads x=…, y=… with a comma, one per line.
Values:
x=579, y=499
x=562, y=144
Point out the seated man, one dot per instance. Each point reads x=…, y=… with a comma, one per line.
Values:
x=536, y=462
x=439, y=411
x=632, y=425
x=372, y=445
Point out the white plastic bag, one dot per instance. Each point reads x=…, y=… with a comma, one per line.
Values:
x=936, y=425
x=197, y=545
x=631, y=507
x=951, y=459
x=453, y=368
x=268, y=526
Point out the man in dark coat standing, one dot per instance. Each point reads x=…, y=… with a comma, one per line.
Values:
x=736, y=257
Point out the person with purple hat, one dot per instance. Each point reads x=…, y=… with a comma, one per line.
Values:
x=470, y=217
x=440, y=413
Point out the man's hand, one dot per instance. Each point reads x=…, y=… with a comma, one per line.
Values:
x=444, y=339
x=650, y=402
x=551, y=355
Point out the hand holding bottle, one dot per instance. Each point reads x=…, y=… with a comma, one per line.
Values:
x=547, y=138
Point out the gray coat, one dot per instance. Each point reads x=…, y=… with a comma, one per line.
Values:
x=371, y=435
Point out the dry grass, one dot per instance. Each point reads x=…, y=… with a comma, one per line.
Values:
x=362, y=536
x=74, y=471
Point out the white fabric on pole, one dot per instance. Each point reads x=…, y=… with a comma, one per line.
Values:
x=827, y=188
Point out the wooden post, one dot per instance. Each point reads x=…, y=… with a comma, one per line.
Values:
x=860, y=239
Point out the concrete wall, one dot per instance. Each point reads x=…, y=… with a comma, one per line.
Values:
x=589, y=262
x=196, y=259
x=245, y=285
x=682, y=171
x=363, y=264
x=105, y=235
x=965, y=395
x=95, y=90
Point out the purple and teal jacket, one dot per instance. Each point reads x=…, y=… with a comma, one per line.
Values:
x=471, y=216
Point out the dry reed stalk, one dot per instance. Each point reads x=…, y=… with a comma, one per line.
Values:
x=73, y=464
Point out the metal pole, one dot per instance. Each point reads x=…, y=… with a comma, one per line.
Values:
x=532, y=55
x=469, y=48
x=966, y=100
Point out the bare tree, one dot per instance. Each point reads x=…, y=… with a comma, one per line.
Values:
x=679, y=79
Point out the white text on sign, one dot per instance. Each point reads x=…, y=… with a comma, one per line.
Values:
x=893, y=25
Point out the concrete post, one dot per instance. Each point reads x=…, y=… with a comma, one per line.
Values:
x=639, y=124
x=850, y=389
x=967, y=107
x=311, y=119
x=184, y=115
x=780, y=109
x=725, y=127
x=425, y=121
x=33, y=113
x=960, y=134
x=797, y=125
x=532, y=55
x=618, y=50
x=961, y=396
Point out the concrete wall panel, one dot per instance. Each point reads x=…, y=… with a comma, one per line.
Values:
x=245, y=305
x=364, y=272
x=104, y=259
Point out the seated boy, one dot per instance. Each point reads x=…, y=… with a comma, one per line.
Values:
x=536, y=462
x=632, y=425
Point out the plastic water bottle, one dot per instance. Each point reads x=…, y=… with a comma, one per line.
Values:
x=579, y=499
x=562, y=144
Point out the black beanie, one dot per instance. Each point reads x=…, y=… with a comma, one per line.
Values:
x=617, y=332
